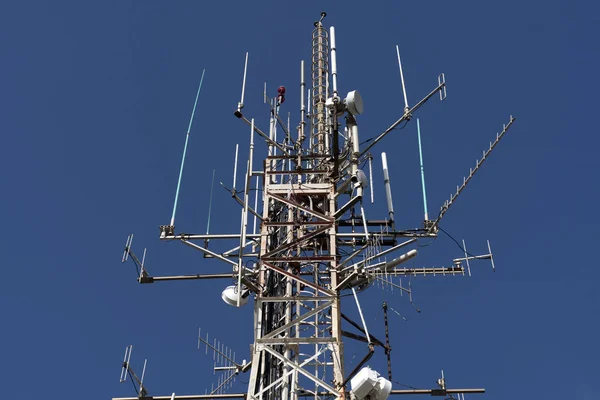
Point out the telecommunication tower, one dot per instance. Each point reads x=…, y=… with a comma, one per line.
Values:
x=311, y=245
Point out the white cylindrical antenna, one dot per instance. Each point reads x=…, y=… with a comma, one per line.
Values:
x=333, y=60
x=241, y=103
x=187, y=137
x=308, y=102
x=235, y=163
x=399, y=260
x=265, y=94
x=302, y=102
x=388, y=189
x=422, y=171
x=402, y=79
x=354, y=136
x=371, y=179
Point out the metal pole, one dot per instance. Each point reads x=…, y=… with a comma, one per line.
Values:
x=244, y=224
x=388, y=349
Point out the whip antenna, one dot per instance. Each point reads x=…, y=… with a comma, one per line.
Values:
x=187, y=138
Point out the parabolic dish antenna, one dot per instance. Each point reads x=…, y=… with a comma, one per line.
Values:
x=354, y=103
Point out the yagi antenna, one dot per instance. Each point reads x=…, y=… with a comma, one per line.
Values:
x=223, y=362
x=187, y=138
x=472, y=172
x=141, y=270
x=489, y=256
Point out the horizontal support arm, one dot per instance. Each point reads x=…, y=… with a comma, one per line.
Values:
x=405, y=117
x=152, y=279
x=431, y=392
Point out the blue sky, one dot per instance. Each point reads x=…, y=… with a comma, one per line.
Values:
x=96, y=99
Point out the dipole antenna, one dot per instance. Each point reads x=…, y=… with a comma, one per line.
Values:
x=187, y=138
x=127, y=371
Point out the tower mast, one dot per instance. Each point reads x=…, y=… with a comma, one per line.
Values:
x=315, y=246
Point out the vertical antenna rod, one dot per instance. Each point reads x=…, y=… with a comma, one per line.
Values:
x=406, y=108
x=212, y=185
x=244, y=223
x=302, y=105
x=333, y=60
x=320, y=87
x=187, y=137
x=371, y=178
x=422, y=171
x=241, y=103
x=388, y=188
x=235, y=168
x=387, y=341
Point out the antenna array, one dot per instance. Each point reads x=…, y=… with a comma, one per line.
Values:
x=223, y=363
x=127, y=371
x=311, y=245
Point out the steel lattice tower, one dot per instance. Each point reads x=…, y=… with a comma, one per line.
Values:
x=314, y=243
